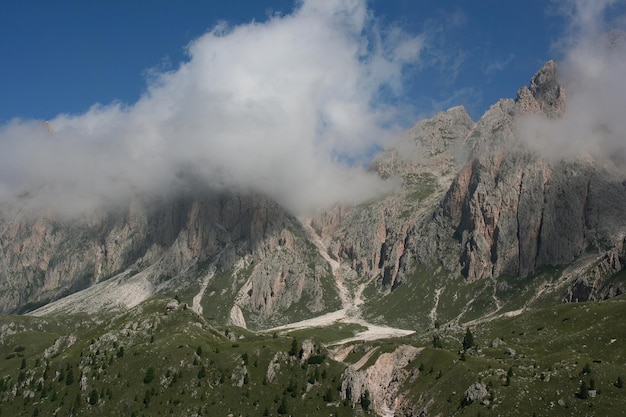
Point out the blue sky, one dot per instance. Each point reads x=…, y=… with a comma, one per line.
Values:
x=64, y=56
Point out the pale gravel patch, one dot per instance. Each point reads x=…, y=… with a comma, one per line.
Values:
x=118, y=293
x=197, y=299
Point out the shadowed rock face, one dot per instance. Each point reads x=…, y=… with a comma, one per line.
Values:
x=45, y=258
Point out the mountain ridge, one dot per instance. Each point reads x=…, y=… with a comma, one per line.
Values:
x=475, y=202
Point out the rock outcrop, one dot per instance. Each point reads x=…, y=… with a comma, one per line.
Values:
x=476, y=392
x=381, y=382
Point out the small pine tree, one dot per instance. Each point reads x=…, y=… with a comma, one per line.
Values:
x=586, y=369
x=294, y=347
x=619, y=383
x=23, y=364
x=199, y=351
x=328, y=396
x=282, y=408
x=69, y=378
x=437, y=344
x=202, y=372
x=93, y=397
x=120, y=352
x=468, y=339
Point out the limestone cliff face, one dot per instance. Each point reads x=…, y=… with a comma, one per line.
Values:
x=515, y=211
x=479, y=201
x=45, y=258
x=377, y=239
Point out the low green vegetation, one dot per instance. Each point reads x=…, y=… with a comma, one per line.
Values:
x=420, y=186
x=151, y=361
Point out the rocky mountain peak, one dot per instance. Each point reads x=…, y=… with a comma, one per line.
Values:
x=430, y=144
x=544, y=94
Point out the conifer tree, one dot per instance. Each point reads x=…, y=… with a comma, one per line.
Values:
x=468, y=339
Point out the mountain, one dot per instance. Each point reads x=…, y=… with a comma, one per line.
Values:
x=243, y=244
x=485, y=231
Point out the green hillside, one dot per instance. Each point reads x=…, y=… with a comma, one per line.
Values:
x=152, y=361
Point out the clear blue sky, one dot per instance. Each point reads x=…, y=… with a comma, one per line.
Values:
x=64, y=56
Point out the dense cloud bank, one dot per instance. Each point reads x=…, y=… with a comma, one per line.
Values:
x=292, y=107
x=592, y=71
x=288, y=107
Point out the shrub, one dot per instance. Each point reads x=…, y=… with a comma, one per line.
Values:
x=149, y=376
x=315, y=359
x=93, y=397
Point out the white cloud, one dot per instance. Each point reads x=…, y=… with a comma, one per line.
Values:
x=592, y=72
x=275, y=107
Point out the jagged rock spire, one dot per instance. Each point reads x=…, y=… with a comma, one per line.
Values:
x=544, y=94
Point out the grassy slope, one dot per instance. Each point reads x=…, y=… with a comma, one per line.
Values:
x=168, y=342
x=552, y=346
